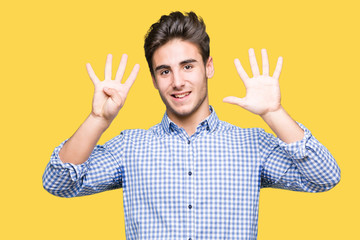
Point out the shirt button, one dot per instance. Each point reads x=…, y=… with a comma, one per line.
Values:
x=189, y=239
x=188, y=141
x=190, y=173
x=189, y=206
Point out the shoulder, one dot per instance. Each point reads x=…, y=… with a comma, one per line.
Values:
x=225, y=128
x=247, y=136
x=136, y=135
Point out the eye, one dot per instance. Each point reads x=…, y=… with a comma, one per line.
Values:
x=188, y=67
x=164, y=72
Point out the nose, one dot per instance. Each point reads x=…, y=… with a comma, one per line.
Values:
x=178, y=80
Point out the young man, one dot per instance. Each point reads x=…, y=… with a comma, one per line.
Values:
x=191, y=176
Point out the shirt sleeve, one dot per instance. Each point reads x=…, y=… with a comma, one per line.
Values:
x=102, y=171
x=305, y=165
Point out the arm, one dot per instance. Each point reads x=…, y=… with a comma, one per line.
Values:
x=109, y=97
x=80, y=156
x=296, y=160
x=305, y=165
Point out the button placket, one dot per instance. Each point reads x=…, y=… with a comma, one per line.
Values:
x=190, y=187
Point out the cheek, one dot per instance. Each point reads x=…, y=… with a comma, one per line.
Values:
x=162, y=88
x=200, y=81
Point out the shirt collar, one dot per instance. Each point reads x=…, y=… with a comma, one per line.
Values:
x=211, y=121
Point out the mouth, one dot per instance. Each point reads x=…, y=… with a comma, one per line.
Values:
x=180, y=95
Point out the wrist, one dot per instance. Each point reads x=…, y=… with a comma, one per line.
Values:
x=273, y=114
x=283, y=125
x=98, y=122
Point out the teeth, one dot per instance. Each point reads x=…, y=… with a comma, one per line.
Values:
x=182, y=95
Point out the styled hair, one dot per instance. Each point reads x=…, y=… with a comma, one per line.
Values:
x=176, y=25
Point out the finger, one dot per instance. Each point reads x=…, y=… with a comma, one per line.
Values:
x=92, y=74
x=235, y=100
x=121, y=70
x=131, y=79
x=277, y=71
x=253, y=63
x=108, y=67
x=243, y=75
x=113, y=94
x=265, y=62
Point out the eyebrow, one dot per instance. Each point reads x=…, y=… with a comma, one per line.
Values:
x=181, y=63
x=188, y=61
x=161, y=67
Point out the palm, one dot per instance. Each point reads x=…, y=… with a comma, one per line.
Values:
x=262, y=91
x=262, y=95
x=104, y=104
x=110, y=95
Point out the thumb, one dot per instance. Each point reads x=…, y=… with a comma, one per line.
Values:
x=113, y=94
x=235, y=100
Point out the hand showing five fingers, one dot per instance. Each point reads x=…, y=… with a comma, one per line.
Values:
x=262, y=91
x=110, y=95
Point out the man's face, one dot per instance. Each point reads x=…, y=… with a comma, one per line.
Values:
x=181, y=78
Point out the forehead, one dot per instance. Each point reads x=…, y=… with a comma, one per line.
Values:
x=176, y=51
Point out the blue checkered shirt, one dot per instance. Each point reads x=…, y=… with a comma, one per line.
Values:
x=201, y=187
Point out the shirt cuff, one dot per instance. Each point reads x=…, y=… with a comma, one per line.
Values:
x=297, y=150
x=61, y=168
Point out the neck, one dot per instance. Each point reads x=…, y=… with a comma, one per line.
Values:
x=190, y=122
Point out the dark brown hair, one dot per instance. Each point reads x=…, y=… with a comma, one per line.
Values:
x=188, y=27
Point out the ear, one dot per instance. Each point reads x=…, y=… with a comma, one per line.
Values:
x=154, y=81
x=209, y=68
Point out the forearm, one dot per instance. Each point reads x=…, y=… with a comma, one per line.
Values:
x=304, y=165
x=283, y=125
x=79, y=147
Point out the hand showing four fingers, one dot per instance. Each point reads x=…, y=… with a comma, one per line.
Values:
x=262, y=91
x=110, y=95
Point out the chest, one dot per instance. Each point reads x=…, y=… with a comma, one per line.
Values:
x=206, y=164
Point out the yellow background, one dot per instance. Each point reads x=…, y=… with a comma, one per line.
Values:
x=46, y=94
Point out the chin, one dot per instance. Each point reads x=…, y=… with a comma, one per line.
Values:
x=181, y=112
x=185, y=110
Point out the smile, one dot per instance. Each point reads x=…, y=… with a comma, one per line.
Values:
x=181, y=95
